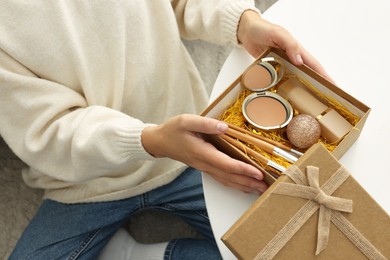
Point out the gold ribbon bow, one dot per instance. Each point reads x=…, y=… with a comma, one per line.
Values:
x=330, y=209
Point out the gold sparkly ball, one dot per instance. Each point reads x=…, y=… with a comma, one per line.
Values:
x=303, y=131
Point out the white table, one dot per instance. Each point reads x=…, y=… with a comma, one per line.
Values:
x=351, y=39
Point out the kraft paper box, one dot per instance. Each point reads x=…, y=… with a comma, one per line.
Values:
x=228, y=97
x=284, y=222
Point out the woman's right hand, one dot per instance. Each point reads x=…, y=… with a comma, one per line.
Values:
x=179, y=139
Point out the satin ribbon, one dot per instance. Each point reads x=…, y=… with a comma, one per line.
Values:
x=329, y=207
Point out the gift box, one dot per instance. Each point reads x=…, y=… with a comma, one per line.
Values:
x=324, y=87
x=315, y=210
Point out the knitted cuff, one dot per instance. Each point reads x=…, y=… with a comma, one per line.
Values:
x=232, y=18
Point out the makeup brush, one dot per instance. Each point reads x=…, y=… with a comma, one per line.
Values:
x=267, y=147
x=275, y=143
x=253, y=153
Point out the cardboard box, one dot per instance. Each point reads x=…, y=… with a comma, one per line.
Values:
x=226, y=99
x=260, y=227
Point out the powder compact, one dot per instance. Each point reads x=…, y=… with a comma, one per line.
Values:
x=264, y=109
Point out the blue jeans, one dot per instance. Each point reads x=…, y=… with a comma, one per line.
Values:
x=80, y=231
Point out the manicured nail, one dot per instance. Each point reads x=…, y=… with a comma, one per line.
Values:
x=222, y=127
x=258, y=177
x=299, y=59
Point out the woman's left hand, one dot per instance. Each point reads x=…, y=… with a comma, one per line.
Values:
x=257, y=34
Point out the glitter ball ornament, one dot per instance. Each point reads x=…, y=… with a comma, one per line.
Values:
x=303, y=131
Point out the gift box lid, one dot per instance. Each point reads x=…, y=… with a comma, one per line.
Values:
x=315, y=196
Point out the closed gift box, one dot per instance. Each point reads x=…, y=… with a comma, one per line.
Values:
x=285, y=222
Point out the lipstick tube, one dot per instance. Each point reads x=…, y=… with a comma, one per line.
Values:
x=333, y=126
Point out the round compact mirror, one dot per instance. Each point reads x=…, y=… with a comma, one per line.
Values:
x=262, y=75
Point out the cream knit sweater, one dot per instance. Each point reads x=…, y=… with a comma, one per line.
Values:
x=80, y=80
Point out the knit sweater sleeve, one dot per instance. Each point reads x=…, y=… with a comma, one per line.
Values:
x=53, y=130
x=211, y=20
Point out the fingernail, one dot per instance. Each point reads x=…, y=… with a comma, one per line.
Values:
x=257, y=177
x=222, y=127
x=299, y=59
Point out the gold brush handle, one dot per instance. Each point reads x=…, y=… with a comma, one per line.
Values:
x=275, y=143
x=253, y=153
x=269, y=148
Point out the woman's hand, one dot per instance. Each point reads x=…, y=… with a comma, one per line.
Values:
x=179, y=139
x=257, y=34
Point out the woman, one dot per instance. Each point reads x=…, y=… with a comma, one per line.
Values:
x=101, y=100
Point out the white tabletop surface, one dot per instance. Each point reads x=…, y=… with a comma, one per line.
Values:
x=351, y=39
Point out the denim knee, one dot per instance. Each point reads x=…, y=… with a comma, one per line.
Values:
x=192, y=249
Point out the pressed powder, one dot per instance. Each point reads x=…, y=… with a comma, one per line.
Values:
x=267, y=110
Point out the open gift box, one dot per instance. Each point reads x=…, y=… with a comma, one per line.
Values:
x=253, y=236
x=327, y=89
